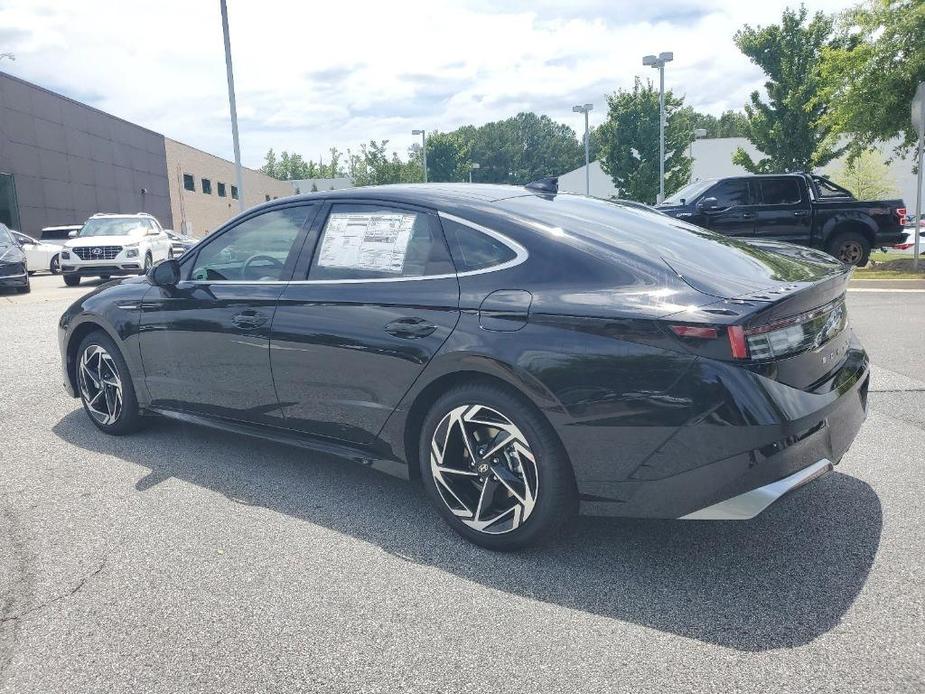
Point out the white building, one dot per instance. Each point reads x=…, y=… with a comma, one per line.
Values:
x=713, y=159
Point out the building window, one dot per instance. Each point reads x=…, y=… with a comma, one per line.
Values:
x=267, y=198
x=207, y=186
x=188, y=183
x=234, y=192
x=221, y=190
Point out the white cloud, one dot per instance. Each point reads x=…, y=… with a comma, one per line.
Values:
x=312, y=75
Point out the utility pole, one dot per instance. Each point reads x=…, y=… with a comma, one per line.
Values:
x=918, y=120
x=423, y=135
x=233, y=106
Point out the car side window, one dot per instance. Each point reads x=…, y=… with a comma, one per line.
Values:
x=780, y=191
x=731, y=193
x=361, y=242
x=473, y=249
x=257, y=249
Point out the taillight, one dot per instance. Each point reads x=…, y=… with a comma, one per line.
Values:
x=901, y=213
x=790, y=336
x=695, y=331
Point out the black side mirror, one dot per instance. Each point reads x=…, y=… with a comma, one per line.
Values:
x=708, y=205
x=165, y=274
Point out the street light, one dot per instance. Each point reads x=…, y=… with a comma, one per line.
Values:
x=659, y=63
x=423, y=135
x=233, y=106
x=472, y=167
x=586, y=109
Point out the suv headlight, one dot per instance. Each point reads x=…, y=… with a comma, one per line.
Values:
x=65, y=255
x=131, y=250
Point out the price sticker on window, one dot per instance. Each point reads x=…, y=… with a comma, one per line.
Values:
x=375, y=242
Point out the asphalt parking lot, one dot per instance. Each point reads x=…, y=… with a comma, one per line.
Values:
x=182, y=559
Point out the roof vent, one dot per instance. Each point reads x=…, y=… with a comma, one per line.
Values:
x=548, y=185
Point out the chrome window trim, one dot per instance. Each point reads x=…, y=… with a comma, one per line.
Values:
x=520, y=256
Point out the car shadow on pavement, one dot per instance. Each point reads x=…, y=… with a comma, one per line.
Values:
x=780, y=580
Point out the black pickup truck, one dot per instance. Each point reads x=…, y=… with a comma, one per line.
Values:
x=799, y=208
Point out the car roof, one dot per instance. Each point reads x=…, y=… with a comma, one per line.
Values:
x=424, y=194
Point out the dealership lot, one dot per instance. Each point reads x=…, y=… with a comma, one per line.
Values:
x=183, y=559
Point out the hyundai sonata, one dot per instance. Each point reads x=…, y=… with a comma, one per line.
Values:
x=524, y=353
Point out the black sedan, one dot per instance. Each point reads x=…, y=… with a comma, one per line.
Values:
x=524, y=353
x=13, y=271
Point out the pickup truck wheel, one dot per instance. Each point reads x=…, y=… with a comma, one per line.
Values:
x=850, y=247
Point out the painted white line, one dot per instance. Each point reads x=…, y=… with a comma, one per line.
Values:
x=893, y=291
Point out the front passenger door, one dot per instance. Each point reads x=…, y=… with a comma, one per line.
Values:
x=205, y=343
x=732, y=214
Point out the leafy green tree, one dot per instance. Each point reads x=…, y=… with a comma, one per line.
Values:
x=731, y=124
x=788, y=127
x=867, y=176
x=628, y=142
x=870, y=75
x=373, y=165
x=447, y=157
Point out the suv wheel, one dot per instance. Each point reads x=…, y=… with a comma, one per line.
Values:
x=850, y=247
x=105, y=385
x=494, y=468
x=149, y=261
x=72, y=280
x=55, y=266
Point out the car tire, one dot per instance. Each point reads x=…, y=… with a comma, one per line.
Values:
x=72, y=280
x=850, y=247
x=54, y=267
x=532, y=475
x=26, y=289
x=104, y=384
x=149, y=261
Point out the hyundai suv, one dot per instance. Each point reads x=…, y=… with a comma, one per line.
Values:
x=114, y=244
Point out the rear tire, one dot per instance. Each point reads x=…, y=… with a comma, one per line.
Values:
x=105, y=386
x=72, y=280
x=850, y=247
x=519, y=494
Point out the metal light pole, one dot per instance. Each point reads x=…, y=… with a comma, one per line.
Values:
x=659, y=63
x=918, y=120
x=472, y=167
x=233, y=106
x=586, y=109
x=423, y=135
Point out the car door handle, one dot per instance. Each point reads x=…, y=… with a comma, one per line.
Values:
x=800, y=213
x=248, y=320
x=410, y=328
x=748, y=215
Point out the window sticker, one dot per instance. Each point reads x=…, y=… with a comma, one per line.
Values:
x=373, y=242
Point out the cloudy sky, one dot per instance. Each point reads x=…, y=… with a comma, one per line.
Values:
x=314, y=74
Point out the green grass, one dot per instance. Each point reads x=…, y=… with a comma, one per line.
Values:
x=890, y=266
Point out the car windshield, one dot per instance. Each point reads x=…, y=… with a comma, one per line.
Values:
x=688, y=193
x=111, y=227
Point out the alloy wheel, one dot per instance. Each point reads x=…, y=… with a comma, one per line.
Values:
x=484, y=469
x=100, y=385
x=850, y=252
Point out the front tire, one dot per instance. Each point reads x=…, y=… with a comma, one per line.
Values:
x=149, y=262
x=72, y=280
x=494, y=468
x=850, y=247
x=105, y=385
x=54, y=267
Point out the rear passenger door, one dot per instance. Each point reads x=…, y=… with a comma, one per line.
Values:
x=727, y=208
x=783, y=212
x=374, y=297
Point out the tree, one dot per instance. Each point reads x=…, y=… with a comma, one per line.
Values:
x=629, y=142
x=447, y=157
x=867, y=176
x=870, y=75
x=788, y=127
x=291, y=167
x=372, y=166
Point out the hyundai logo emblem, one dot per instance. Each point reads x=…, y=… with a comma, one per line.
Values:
x=97, y=251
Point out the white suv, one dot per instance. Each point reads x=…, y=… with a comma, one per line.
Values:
x=114, y=244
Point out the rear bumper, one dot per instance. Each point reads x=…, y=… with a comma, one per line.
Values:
x=778, y=437
x=121, y=270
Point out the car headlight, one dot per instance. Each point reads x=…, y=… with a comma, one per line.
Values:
x=65, y=255
x=131, y=253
